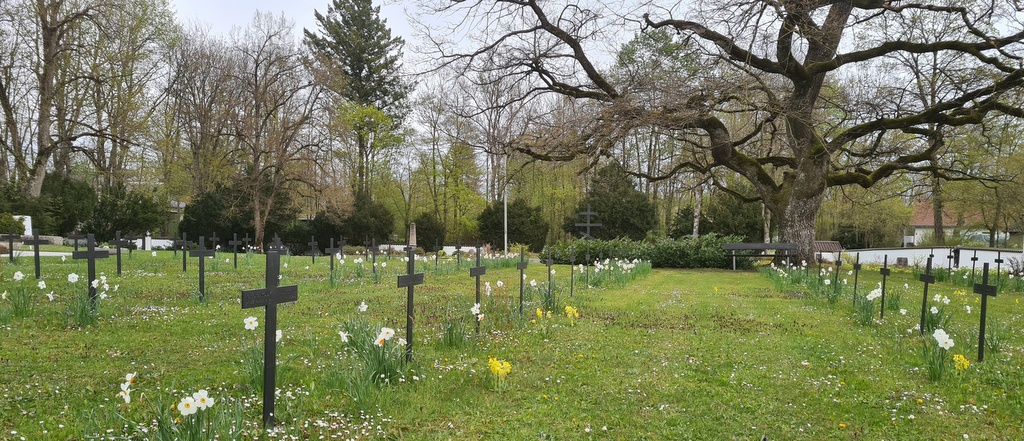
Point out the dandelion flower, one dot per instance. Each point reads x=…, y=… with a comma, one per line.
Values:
x=42, y=284
x=187, y=406
x=202, y=399
x=251, y=323
x=552, y=272
x=18, y=276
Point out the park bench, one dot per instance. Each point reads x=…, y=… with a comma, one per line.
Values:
x=760, y=250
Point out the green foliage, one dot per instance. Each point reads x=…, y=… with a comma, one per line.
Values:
x=701, y=252
x=429, y=231
x=726, y=215
x=682, y=223
x=324, y=227
x=226, y=210
x=14, y=202
x=370, y=219
x=131, y=211
x=622, y=210
x=525, y=225
x=8, y=223
x=68, y=203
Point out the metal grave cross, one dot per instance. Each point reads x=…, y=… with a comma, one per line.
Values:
x=91, y=254
x=928, y=279
x=856, y=276
x=949, y=264
x=74, y=238
x=522, y=268
x=202, y=253
x=373, y=255
x=409, y=281
x=549, y=263
x=572, y=269
x=332, y=252
x=437, y=251
x=974, y=263
x=835, y=281
x=246, y=241
x=884, y=271
x=119, y=243
x=183, y=243
x=11, y=237
x=35, y=241
x=986, y=291
x=276, y=245
x=130, y=239
x=234, y=243
x=477, y=271
x=214, y=240
x=314, y=247
x=999, y=267
x=458, y=255
x=588, y=224
x=270, y=297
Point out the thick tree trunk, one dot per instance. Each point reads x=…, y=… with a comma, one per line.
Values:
x=796, y=221
x=938, y=205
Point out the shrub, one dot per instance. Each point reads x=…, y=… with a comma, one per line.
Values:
x=701, y=252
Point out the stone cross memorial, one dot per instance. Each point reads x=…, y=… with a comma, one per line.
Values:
x=986, y=291
x=270, y=297
x=928, y=279
x=91, y=254
x=183, y=243
x=234, y=243
x=884, y=271
x=10, y=237
x=409, y=280
x=202, y=253
x=522, y=275
x=35, y=241
x=477, y=271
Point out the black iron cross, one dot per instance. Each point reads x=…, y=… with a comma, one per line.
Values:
x=130, y=239
x=202, y=253
x=214, y=240
x=246, y=241
x=458, y=255
x=11, y=237
x=183, y=243
x=949, y=264
x=572, y=269
x=91, y=255
x=477, y=271
x=373, y=255
x=884, y=271
x=549, y=263
x=332, y=251
x=234, y=243
x=270, y=297
x=986, y=291
x=437, y=251
x=276, y=244
x=314, y=247
x=588, y=224
x=928, y=279
x=35, y=241
x=118, y=243
x=75, y=238
x=522, y=268
x=839, y=265
x=856, y=276
x=999, y=267
x=409, y=281
x=974, y=263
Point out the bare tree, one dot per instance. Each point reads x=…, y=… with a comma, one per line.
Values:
x=788, y=144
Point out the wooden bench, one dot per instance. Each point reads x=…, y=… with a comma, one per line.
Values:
x=760, y=249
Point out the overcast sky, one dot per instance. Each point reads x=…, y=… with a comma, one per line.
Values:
x=222, y=15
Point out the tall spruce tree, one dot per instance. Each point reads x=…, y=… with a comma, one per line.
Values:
x=623, y=211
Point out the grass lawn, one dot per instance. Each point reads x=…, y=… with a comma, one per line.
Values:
x=670, y=355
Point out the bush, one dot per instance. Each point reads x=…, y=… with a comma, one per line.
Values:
x=8, y=223
x=701, y=252
x=68, y=204
x=132, y=212
x=622, y=210
x=526, y=225
x=369, y=220
x=429, y=231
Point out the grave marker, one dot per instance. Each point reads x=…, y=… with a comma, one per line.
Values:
x=409, y=281
x=572, y=269
x=928, y=279
x=986, y=291
x=949, y=265
x=214, y=240
x=131, y=244
x=458, y=255
x=276, y=245
x=118, y=243
x=437, y=252
x=856, y=276
x=333, y=252
x=373, y=255
x=234, y=243
x=549, y=263
x=91, y=254
x=270, y=297
x=477, y=271
x=999, y=270
x=10, y=236
x=75, y=238
x=314, y=248
x=522, y=275
x=183, y=243
x=974, y=263
x=885, y=271
x=588, y=223
x=202, y=253
x=35, y=241
x=839, y=265
x=246, y=240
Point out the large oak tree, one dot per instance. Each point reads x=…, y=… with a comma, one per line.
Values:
x=786, y=93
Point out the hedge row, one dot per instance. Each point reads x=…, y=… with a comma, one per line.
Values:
x=687, y=252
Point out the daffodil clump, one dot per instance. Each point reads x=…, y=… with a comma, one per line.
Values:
x=499, y=371
x=936, y=356
x=572, y=314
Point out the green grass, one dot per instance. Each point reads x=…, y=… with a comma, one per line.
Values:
x=672, y=355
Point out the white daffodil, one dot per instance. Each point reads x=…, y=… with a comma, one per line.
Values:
x=187, y=406
x=202, y=399
x=363, y=307
x=278, y=335
x=41, y=284
x=344, y=336
x=475, y=309
x=18, y=276
x=251, y=323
